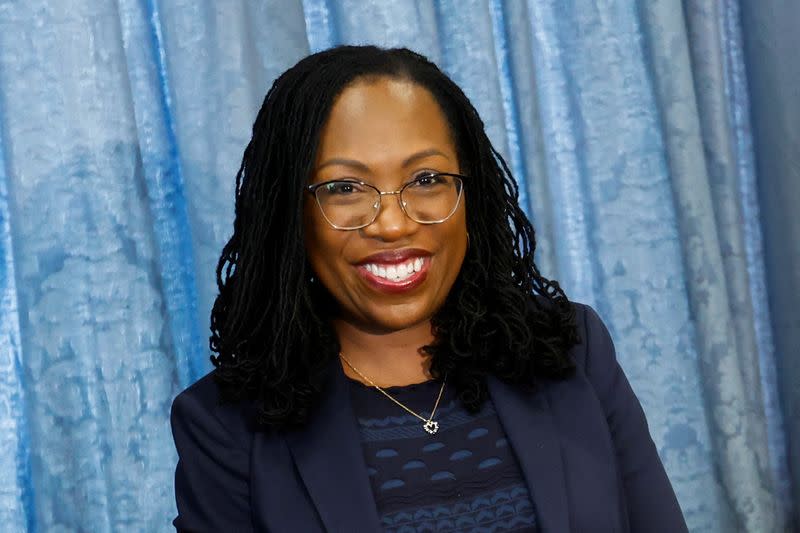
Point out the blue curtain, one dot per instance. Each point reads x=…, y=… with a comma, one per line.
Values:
x=655, y=142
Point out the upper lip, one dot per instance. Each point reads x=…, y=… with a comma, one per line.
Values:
x=394, y=256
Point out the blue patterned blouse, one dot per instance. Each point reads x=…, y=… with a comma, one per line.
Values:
x=464, y=478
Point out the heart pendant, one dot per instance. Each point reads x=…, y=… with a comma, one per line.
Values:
x=431, y=426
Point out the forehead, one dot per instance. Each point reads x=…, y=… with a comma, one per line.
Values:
x=382, y=120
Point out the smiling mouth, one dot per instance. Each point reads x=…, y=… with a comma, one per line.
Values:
x=396, y=277
x=396, y=272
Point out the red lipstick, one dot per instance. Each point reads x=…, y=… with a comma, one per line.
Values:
x=393, y=257
x=408, y=266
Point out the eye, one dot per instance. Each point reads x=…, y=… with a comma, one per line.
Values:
x=342, y=188
x=429, y=179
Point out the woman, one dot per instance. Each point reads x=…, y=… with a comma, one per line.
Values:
x=388, y=356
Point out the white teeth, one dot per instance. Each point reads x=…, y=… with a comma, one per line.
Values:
x=396, y=272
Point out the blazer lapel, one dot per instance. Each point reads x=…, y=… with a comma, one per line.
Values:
x=327, y=452
x=528, y=422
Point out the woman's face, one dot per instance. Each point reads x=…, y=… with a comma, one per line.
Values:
x=386, y=132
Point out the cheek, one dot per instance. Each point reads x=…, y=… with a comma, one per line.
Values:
x=315, y=241
x=455, y=248
x=323, y=244
x=457, y=232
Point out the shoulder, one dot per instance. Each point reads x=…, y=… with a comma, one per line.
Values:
x=597, y=365
x=594, y=354
x=595, y=340
x=199, y=410
x=648, y=500
x=213, y=472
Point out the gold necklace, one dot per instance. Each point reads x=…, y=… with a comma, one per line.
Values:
x=430, y=425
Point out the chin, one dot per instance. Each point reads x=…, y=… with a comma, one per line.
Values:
x=397, y=321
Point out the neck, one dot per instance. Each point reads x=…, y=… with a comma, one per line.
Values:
x=387, y=358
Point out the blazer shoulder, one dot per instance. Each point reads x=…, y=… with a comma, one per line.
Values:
x=595, y=340
x=212, y=489
x=587, y=323
x=201, y=402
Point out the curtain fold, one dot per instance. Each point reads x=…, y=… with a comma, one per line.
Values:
x=97, y=364
x=16, y=493
x=691, y=91
x=743, y=150
x=218, y=61
x=772, y=74
x=626, y=124
x=161, y=174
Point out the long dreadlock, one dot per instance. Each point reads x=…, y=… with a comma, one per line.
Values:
x=270, y=326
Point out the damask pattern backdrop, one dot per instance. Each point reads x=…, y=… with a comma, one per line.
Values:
x=629, y=126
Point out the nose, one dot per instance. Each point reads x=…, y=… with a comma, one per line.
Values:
x=392, y=223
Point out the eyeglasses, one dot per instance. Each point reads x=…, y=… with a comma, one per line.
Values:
x=351, y=204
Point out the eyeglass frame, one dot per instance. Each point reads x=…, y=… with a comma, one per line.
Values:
x=460, y=177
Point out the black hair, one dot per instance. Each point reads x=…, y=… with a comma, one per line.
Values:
x=270, y=326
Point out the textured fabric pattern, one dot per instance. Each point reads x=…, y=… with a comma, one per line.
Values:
x=628, y=128
x=463, y=478
x=501, y=510
x=772, y=42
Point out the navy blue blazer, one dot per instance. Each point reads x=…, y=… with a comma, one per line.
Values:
x=583, y=445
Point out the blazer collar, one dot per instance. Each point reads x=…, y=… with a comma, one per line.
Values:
x=328, y=455
x=327, y=452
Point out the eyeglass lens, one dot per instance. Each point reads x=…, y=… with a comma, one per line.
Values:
x=350, y=205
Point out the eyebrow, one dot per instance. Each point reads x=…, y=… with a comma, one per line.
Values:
x=358, y=165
